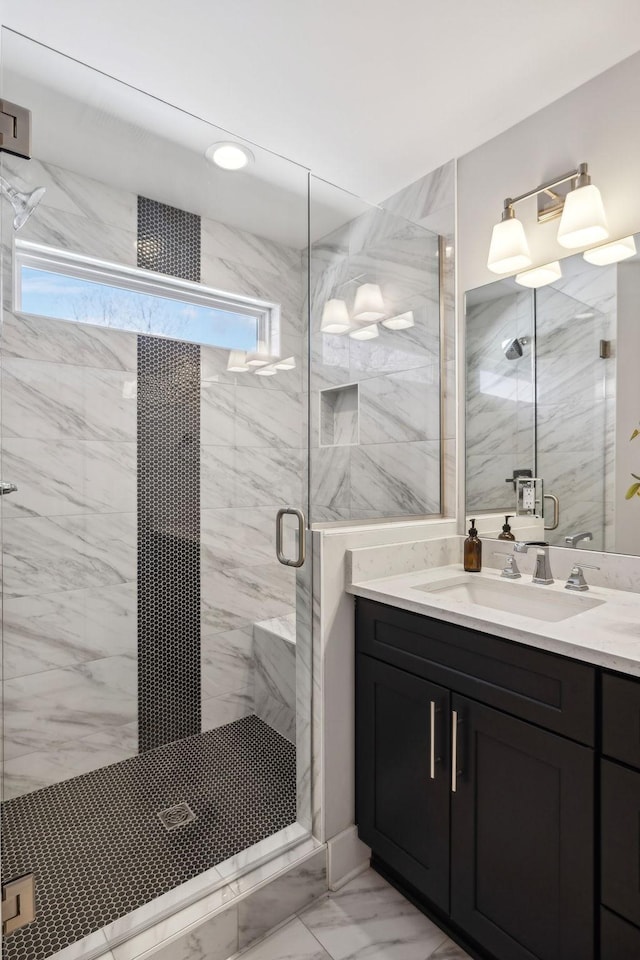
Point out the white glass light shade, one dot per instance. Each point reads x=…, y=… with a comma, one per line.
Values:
x=289, y=363
x=237, y=362
x=611, y=252
x=401, y=322
x=583, y=218
x=335, y=317
x=540, y=276
x=368, y=332
x=509, y=250
x=369, y=305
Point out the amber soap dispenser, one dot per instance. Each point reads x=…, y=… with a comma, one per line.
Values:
x=506, y=529
x=473, y=551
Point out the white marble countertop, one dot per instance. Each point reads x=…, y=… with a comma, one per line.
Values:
x=607, y=635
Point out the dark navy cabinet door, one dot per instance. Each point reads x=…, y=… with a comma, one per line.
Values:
x=522, y=829
x=402, y=775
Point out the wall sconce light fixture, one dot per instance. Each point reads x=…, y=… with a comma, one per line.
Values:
x=583, y=221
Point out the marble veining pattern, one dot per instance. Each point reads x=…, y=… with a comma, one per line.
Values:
x=274, y=655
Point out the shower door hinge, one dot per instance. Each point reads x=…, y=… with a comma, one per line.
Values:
x=18, y=903
x=15, y=129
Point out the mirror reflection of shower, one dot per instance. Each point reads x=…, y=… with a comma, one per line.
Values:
x=513, y=347
x=23, y=203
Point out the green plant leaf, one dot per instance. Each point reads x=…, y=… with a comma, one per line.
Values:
x=631, y=492
x=636, y=433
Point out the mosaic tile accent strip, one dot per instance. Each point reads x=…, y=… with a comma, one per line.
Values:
x=169, y=687
x=168, y=240
x=99, y=850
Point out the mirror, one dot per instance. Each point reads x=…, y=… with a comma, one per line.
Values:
x=552, y=389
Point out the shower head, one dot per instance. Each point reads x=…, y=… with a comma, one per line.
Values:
x=513, y=347
x=23, y=203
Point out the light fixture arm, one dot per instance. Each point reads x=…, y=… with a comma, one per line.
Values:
x=580, y=175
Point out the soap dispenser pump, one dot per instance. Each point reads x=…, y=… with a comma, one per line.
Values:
x=506, y=529
x=473, y=551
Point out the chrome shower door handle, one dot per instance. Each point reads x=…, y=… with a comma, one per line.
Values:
x=281, y=514
x=556, y=511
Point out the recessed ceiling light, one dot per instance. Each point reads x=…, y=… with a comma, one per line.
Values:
x=228, y=155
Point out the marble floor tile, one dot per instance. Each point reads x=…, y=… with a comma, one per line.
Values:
x=292, y=942
x=283, y=897
x=369, y=919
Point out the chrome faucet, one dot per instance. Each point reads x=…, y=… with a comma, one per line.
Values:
x=575, y=539
x=542, y=572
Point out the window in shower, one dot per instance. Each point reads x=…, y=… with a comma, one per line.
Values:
x=64, y=286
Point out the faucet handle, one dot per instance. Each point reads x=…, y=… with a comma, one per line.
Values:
x=576, y=580
x=510, y=570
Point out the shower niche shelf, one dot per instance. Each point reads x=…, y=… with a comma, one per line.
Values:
x=339, y=416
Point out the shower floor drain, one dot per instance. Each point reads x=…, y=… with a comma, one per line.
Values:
x=179, y=816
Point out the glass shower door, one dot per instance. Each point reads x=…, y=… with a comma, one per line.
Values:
x=156, y=655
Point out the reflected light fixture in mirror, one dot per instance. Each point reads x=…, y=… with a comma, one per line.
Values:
x=368, y=305
x=289, y=363
x=540, y=276
x=259, y=359
x=509, y=250
x=228, y=155
x=237, y=362
x=335, y=317
x=268, y=371
x=611, y=252
x=401, y=322
x=368, y=332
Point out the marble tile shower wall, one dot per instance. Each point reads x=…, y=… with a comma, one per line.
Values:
x=499, y=401
x=391, y=466
x=69, y=443
x=576, y=401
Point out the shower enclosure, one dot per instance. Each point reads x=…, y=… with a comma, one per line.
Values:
x=170, y=380
x=156, y=652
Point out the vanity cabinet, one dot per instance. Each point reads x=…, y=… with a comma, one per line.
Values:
x=475, y=781
x=620, y=818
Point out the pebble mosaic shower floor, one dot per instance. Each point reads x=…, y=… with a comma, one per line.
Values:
x=99, y=848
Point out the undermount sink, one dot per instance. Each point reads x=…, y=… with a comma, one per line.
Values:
x=509, y=597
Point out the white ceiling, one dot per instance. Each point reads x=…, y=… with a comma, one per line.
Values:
x=369, y=94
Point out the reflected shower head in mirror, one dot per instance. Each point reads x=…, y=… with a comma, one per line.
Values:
x=513, y=348
x=23, y=203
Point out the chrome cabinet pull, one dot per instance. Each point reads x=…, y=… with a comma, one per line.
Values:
x=302, y=547
x=432, y=742
x=454, y=751
x=7, y=487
